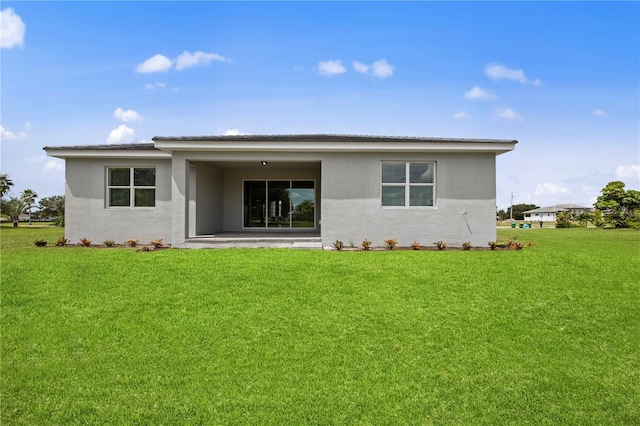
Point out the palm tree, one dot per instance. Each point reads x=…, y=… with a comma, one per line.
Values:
x=5, y=184
x=29, y=197
x=13, y=208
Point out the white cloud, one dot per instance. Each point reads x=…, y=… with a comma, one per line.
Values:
x=11, y=29
x=330, y=68
x=629, y=172
x=122, y=134
x=599, y=113
x=188, y=59
x=507, y=114
x=126, y=116
x=461, y=116
x=480, y=94
x=53, y=166
x=550, y=189
x=9, y=135
x=233, y=132
x=153, y=86
x=382, y=69
x=500, y=72
x=360, y=67
x=157, y=63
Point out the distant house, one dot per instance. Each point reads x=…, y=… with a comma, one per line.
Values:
x=549, y=214
x=335, y=187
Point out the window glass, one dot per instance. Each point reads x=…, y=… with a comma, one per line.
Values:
x=303, y=199
x=144, y=177
x=421, y=196
x=393, y=172
x=119, y=197
x=421, y=172
x=145, y=197
x=393, y=195
x=119, y=177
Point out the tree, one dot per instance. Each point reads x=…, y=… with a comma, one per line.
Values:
x=53, y=208
x=5, y=184
x=12, y=209
x=519, y=209
x=29, y=197
x=619, y=207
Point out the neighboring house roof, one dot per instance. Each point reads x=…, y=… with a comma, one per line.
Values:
x=164, y=145
x=558, y=208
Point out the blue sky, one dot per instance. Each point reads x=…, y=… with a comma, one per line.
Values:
x=561, y=78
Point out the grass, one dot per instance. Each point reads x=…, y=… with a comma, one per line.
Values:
x=545, y=335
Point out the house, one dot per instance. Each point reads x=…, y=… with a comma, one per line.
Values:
x=335, y=187
x=549, y=214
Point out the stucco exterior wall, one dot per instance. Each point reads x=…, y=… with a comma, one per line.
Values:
x=464, y=209
x=208, y=199
x=87, y=214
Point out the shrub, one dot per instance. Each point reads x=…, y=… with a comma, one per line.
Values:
x=366, y=245
x=61, y=242
x=40, y=243
x=391, y=244
x=493, y=244
x=516, y=245
x=58, y=221
x=84, y=242
x=110, y=243
x=415, y=245
x=157, y=243
x=441, y=245
x=132, y=242
x=337, y=244
x=466, y=245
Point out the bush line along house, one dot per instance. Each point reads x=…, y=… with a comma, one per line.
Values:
x=332, y=187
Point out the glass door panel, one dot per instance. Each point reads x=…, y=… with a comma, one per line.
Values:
x=303, y=204
x=255, y=199
x=279, y=204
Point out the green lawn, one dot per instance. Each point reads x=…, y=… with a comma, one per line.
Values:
x=544, y=336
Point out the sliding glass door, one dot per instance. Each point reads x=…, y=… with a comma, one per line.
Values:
x=279, y=204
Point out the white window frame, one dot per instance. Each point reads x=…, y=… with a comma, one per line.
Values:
x=131, y=187
x=407, y=184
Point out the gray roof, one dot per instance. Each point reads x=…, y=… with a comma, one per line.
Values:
x=320, y=137
x=272, y=138
x=111, y=147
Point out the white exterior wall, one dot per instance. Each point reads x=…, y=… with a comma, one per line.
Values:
x=352, y=211
x=87, y=214
x=537, y=217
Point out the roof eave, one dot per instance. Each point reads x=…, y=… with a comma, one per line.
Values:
x=68, y=152
x=322, y=147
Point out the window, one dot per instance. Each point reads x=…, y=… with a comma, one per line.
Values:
x=131, y=186
x=408, y=184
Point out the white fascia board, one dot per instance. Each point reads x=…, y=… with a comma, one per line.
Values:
x=403, y=146
x=124, y=153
